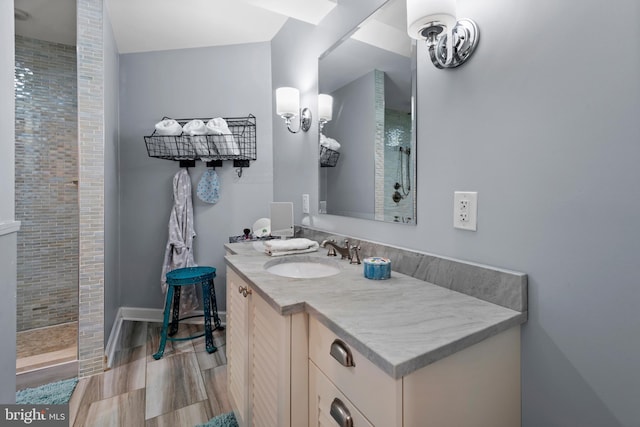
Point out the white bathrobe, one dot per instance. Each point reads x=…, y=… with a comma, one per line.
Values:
x=179, y=251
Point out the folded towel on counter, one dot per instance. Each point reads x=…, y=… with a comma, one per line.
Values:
x=227, y=146
x=330, y=143
x=289, y=247
x=168, y=127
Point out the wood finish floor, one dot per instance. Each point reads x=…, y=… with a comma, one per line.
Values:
x=52, y=345
x=184, y=388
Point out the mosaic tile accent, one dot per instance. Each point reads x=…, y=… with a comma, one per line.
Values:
x=498, y=286
x=91, y=191
x=378, y=77
x=46, y=166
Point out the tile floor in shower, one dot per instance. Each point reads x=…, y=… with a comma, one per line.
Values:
x=48, y=346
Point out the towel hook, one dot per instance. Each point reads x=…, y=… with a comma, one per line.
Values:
x=239, y=164
x=214, y=164
x=187, y=164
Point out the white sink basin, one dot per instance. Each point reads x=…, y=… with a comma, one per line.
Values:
x=302, y=267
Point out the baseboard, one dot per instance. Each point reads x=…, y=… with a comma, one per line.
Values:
x=40, y=376
x=140, y=314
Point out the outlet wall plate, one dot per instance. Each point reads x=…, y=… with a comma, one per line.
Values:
x=305, y=203
x=465, y=210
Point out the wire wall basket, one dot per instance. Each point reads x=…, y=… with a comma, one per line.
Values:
x=328, y=157
x=239, y=145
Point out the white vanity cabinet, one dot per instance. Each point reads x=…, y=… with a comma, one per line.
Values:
x=267, y=353
x=475, y=387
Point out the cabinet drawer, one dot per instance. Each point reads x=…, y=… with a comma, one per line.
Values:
x=328, y=407
x=375, y=393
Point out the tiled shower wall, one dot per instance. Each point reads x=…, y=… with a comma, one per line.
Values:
x=46, y=183
x=91, y=147
x=398, y=134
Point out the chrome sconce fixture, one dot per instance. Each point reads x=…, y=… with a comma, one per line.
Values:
x=450, y=41
x=288, y=106
x=325, y=109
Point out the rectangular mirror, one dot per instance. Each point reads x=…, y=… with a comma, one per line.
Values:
x=368, y=148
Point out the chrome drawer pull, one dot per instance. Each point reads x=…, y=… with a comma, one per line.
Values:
x=341, y=353
x=340, y=413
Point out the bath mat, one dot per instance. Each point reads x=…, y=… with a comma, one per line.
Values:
x=57, y=393
x=224, y=420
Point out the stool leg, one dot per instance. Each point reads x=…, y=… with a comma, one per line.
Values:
x=214, y=308
x=176, y=312
x=165, y=324
x=207, y=317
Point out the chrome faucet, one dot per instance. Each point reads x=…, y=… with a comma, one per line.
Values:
x=333, y=247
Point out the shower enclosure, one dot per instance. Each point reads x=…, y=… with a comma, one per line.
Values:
x=46, y=192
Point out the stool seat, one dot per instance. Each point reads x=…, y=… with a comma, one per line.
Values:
x=190, y=275
x=177, y=278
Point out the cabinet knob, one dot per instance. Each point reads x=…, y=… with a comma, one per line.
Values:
x=341, y=353
x=340, y=413
x=244, y=290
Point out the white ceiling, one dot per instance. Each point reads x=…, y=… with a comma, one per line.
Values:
x=149, y=25
x=387, y=29
x=51, y=20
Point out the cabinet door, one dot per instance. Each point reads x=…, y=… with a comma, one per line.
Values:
x=263, y=349
x=237, y=348
x=270, y=361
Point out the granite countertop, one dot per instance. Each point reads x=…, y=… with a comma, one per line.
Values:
x=401, y=324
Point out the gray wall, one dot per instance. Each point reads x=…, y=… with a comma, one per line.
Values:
x=545, y=128
x=111, y=199
x=350, y=185
x=228, y=81
x=7, y=241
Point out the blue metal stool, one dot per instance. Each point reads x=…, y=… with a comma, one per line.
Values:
x=183, y=277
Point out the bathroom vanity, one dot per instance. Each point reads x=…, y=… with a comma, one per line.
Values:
x=344, y=350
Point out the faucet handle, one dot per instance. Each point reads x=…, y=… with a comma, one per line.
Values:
x=355, y=255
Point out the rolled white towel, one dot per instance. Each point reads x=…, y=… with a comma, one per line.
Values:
x=330, y=143
x=168, y=127
x=291, y=246
x=195, y=127
x=217, y=126
x=227, y=144
x=197, y=130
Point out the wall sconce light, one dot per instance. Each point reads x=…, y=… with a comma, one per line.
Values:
x=450, y=41
x=288, y=106
x=325, y=109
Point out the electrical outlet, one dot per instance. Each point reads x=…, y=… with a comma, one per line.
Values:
x=305, y=203
x=465, y=210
